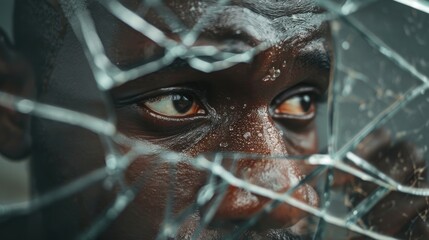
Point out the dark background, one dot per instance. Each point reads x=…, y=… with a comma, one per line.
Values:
x=13, y=175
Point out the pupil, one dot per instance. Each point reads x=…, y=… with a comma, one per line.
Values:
x=305, y=103
x=182, y=103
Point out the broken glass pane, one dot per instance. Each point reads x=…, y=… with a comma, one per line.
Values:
x=241, y=176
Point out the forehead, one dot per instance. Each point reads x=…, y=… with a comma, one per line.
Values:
x=185, y=13
x=272, y=7
x=244, y=23
x=227, y=24
x=177, y=15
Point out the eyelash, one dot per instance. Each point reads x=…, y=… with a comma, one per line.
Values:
x=199, y=96
x=175, y=105
x=135, y=99
x=316, y=96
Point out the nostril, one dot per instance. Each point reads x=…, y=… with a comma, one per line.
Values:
x=240, y=205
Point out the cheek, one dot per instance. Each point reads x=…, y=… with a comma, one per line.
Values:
x=302, y=143
x=157, y=181
x=160, y=186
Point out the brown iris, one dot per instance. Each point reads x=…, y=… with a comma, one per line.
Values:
x=174, y=105
x=297, y=105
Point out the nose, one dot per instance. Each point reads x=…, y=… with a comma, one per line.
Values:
x=259, y=134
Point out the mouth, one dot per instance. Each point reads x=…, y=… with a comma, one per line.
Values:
x=296, y=232
x=274, y=234
x=277, y=235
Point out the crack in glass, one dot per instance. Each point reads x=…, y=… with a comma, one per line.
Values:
x=384, y=105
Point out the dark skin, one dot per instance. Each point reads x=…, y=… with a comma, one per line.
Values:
x=188, y=111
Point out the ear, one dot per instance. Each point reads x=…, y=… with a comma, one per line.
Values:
x=16, y=78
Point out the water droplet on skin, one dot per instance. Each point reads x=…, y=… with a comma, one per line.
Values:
x=231, y=128
x=275, y=73
x=266, y=78
x=232, y=107
x=223, y=144
x=284, y=64
x=247, y=135
x=244, y=106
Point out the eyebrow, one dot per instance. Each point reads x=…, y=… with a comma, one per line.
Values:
x=274, y=9
x=319, y=58
x=179, y=63
x=225, y=38
x=314, y=58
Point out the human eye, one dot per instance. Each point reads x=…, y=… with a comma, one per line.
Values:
x=299, y=103
x=163, y=112
x=174, y=105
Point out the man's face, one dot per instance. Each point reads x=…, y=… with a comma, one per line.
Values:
x=265, y=107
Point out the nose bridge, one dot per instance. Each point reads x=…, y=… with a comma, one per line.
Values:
x=257, y=133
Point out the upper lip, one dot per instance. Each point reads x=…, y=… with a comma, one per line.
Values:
x=272, y=235
x=223, y=233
